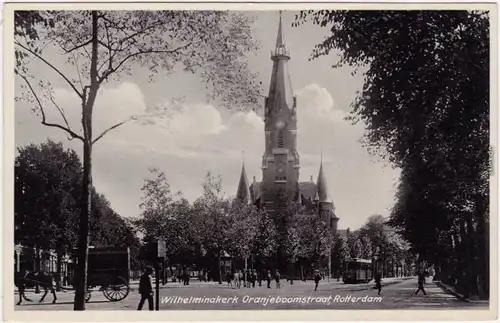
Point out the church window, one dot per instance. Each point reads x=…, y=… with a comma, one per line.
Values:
x=280, y=139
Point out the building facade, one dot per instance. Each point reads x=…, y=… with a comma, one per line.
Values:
x=281, y=161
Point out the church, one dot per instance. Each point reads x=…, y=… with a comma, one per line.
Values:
x=280, y=161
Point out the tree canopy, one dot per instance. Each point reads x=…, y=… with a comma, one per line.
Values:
x=47, y=191
x=425, y=104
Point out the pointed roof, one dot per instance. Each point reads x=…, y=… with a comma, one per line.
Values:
x=322, y=186
x=243, y=192
x=280, y=39
x=280, y=89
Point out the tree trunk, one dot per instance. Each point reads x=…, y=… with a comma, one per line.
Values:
x=482, y=234
x=81, y=267
x=86, y=202
x=36, y=266
x=219, y=266
x=58, y=271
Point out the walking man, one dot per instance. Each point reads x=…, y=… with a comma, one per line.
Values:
x=317, y=278
x=146, y=289
x=421, y=281
x=378, y=282
x=268, y=279
x=277, y=278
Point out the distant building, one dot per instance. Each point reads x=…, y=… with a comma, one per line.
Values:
x=280, y=161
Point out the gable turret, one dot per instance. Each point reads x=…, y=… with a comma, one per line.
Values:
x=243, y=192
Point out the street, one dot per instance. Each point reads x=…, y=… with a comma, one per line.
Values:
x=396, y=295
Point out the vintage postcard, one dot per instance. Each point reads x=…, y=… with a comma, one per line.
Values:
x=204, y=161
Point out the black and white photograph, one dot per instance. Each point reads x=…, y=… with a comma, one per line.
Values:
x=252, y=159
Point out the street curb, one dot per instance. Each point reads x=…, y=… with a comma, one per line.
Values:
x=450, y=290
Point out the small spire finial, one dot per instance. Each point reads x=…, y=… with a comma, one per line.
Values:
x=243, y=157
x=321, y=154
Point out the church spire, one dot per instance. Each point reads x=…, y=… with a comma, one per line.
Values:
x=281, y=52
x=243, y=193
x=280, y=39
x=280, y=90
x=323, y=195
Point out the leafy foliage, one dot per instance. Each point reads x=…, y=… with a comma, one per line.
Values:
x=425, y=103
x=47, y=191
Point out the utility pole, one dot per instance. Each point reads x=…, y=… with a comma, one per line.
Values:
x=329, y=264
x=161, y=254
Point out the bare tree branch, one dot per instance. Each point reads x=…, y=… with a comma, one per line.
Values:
x=52, y=66
x=61, y=111
x=77, y=46
x=113, y=127
x=132, y=118
x=44, y=120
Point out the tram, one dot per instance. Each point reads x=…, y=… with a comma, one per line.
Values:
x=357, y=270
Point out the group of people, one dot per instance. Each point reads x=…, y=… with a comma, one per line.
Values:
x=249, y=277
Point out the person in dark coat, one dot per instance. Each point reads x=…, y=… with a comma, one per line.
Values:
x=254, y=277
x=146, y=289
x=269, y=279
x=378, y=282
x=317, y=278
x=277, y=277
x=421, y=281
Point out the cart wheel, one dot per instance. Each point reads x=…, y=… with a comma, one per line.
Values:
x=88, y=295
x=116, y=292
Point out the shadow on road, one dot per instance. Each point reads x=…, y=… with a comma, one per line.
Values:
x=59, y=303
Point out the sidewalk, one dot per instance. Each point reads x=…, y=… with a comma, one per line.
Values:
x=450, y=289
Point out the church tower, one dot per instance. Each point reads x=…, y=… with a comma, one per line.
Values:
x=325, y=205
x=280, y=162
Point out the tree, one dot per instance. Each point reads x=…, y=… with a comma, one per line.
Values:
x=164, y=217
x=103, y=45
x=426, y=106
x=212, y=210
x=242, y=230
x=340, y=253
x=266, y=241
x=46, y=180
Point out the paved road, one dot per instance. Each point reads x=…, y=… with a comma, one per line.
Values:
x=331, y=295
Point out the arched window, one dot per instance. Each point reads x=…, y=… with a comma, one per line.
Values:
x=281, y=139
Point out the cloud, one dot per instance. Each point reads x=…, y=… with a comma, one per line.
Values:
x=196, y=138
x=315, y=102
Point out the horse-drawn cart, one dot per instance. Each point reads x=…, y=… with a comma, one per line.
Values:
x=109, y=269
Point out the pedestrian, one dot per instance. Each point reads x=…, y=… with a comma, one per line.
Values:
x=317, y=278
x=269, y=279
x=186, y=276
x=250, y=278
x=146, y=289
x=229, y=279
x=254, y=277
x=240, y=278
x=378, y=282
x=277, y=278
x=421, y=281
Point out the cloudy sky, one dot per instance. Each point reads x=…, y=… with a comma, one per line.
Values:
x=202, y=137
